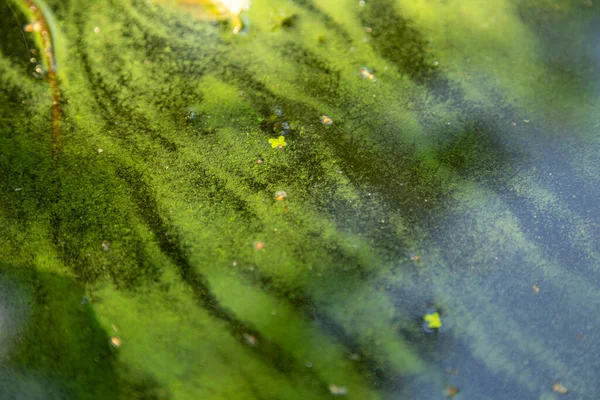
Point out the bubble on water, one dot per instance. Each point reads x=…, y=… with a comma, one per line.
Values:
x=338, y=390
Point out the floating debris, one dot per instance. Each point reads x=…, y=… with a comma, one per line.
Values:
x=278, y=143
x=251, y=340
x=218, y=10
x=535, y=289
x=416, y=258
x=558, y=388
x=280, y=195
x=432, y=322
x=337, y=390
x=450, y=391
x=105, y=246
x=325, y=120
x=115, y=341
x=259, y=245
x=33, y=27
x=365, y=73
x=259, y=161
x=282, y=20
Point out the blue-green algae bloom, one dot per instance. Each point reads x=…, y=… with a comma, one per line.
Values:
x=148, y=251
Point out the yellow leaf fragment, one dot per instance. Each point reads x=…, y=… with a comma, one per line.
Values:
x=433, y=320
x=279, y=142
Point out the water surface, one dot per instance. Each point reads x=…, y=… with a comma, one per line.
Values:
x=191, y=213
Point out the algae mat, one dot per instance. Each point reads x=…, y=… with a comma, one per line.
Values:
x=189, y=212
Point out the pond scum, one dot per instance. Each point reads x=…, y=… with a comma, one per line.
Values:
x=147, y=251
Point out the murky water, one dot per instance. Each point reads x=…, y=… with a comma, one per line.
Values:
x=299, y=199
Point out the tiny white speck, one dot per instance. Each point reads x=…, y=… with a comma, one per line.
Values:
x=18, y=189
x=100, y=150
x=97, y=29
x=361, y=3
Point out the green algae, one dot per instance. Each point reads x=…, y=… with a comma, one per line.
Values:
x=151, y=209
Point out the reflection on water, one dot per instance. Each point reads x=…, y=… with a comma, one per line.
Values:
x=366, y=200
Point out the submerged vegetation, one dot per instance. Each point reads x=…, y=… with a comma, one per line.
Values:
x=181, y=217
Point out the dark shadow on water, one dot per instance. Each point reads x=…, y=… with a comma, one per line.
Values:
x=53, y=347
x=58, y=349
